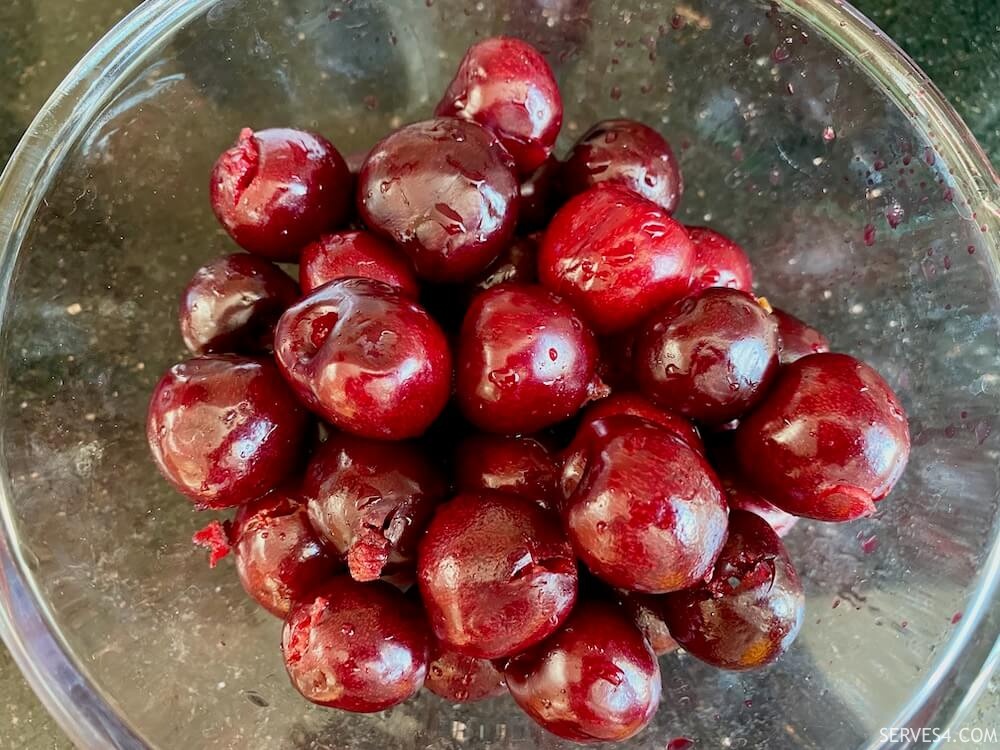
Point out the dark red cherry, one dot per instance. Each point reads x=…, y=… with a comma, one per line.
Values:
x=505, y=85
x=462, y=679
x=520, y=466
x=525, y=360
x=741, y=497
x=225, y=429
x=718, y=261
x=279, y=558
x=517, y=263
x=360, y=647
x=828, y=441
x=365, y=358
x=278, y=189
x=539, y=196
x=595, y=680
x=632, y=404
x=626, y=153
x=797, y=339
x=444, y=190
x=346, y=254
x=615, y=256
x=496, y=573
x=372, y=500
x=617, y=363
x=643, y=510
x=709, y=357
x=749, y=611
x=647, y=611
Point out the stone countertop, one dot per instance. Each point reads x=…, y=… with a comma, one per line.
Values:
x=957, y=42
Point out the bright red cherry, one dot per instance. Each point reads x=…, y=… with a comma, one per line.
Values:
x=357, y=647
x=372, y=500
x=829, y=440
x=505, y=85
x=496, y=573
x=278, y=189
x=462, y=679
x=615, y=256
x=595, y=680
x=520, y=466
x=225, y=429
x=797, y=339
x=365, y=358
x=444, y=190
x=626, y=153
x=539, y=196
x=525, y=360
x=718, y=261
x=345, y=254
x=632, y=404
x=749, y=611
x=647, y=610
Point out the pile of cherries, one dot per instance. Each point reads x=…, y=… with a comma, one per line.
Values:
x=519, y=384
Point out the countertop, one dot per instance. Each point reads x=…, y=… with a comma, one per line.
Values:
x=956, y=41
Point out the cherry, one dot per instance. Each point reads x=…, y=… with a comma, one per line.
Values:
x=225, y=429
x=709, y=357
x=357, y=647
x=797, y=339
x=496, y=573
x=647, y=610
x=595, y=680
x=278, y=189
x=718, y=262
x=539, y=196
x=615, y=256
x=345, y=254
x=462, y=679
x=372, y=500
x=505, y=85
x=643, y=510
x=279, y=558
x=632, y=404
x=366, y=358
x=525, y=360
x=828, y=441
x=627, y=153
x=520, y=466
x=742, y=498
x=445, y=192
x=749, y=611
x=517, y=263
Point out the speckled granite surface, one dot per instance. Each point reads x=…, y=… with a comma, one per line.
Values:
x=956, y=41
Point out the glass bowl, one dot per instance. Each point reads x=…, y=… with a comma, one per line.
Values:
x=803, y=132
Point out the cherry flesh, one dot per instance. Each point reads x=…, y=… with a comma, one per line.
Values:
x=346, y=254
x=634, y=405
x=521, y=466
x=462, y=679
x=797, y=339
x=718, y=262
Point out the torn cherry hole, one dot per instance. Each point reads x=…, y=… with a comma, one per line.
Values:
x=243, y=163
x=215, y=536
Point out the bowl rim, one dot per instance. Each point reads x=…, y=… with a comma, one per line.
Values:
x=88, y=716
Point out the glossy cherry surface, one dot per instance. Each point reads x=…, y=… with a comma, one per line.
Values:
x=539, y=196
x=357, y=647
x=797, y=339
x=647, y=611
x=525, y=360
x=615, y=256
x=505, y=85
x=521, y=466
x=748, y=613
x=346, y=254
x=595, y=680
x=718, y=261
x=279, y=557
x=643, y=510
x=445, y=191
x=365, y=358
x=462, y=679
x=496, y=573
x=278, y=189
x=709, y=357
x=626, y=153
x=828, y=441
x=517, y=263
x=372, y=501
x=225, y=429
x=634, y=405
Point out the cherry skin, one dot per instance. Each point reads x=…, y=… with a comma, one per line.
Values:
x=718, y=262
x=525, y=360
x=632, y=404
x=278, y=189
x=443, y=190
x=505, y=85
x=520, y=466
x=539, y=196
x=517, y=263
x=648, y=613
x=372, y=500
x=595, y=680
x=233, y=303
x=365, y=358
x=462, y=679
x=709, y=357
x=829, y=440
x=615, y=256
x=496, y=574
x=741, y=497
x=225, y=429
x=797, y=339
x=357, y=647
x=362, y=254
x=748, y=613
x=279, y=557
x=626, y=153
x=643, y=510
